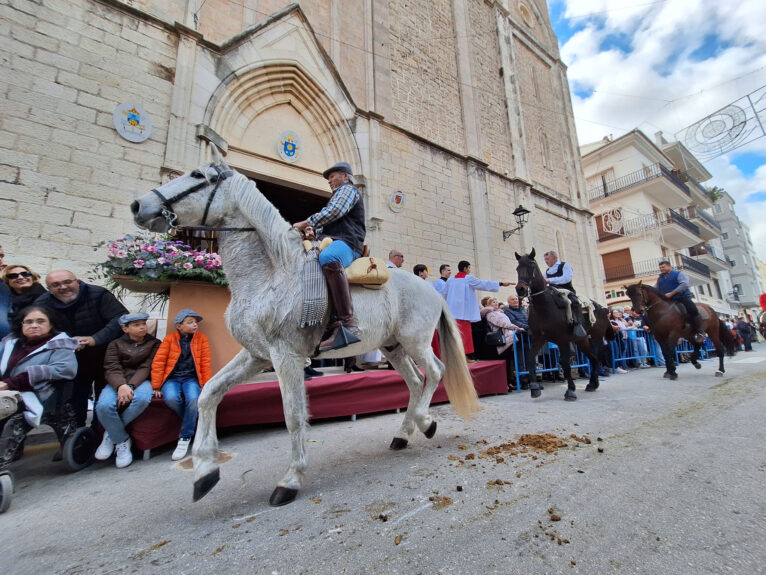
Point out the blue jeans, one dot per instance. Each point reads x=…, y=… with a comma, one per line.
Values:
x=181, y=396
x=338, y=251
x=114, y=422
x=659, y=360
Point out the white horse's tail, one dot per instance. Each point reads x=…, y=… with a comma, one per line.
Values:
x=457, y=379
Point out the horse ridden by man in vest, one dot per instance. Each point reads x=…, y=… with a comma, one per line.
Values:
x=556, y=316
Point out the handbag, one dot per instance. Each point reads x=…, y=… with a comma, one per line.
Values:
x=495, y=338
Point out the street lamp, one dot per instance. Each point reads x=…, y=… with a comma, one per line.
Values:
x=522, y=215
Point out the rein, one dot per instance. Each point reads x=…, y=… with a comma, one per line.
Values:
x=171, y=217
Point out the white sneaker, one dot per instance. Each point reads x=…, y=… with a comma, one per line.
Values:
x=124, y=455
x=181, y=449
x=621, y=370
x=644, y=366
x=106, y=448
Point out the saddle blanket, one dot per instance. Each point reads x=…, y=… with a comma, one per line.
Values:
x=585, y=303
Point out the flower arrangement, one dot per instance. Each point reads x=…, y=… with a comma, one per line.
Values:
x=153, y=259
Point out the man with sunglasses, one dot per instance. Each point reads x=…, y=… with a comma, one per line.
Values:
x=90, y=314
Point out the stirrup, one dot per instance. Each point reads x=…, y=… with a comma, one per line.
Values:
x=343, y=337
x=579, y=331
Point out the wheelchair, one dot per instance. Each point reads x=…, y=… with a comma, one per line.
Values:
x=78, y=445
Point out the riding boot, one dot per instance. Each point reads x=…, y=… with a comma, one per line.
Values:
x=577, y=329
x=345, y=333
x=699, y=332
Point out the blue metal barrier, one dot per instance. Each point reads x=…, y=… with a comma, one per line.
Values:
x=706, y=349
x=547, y=361
x=631, y=348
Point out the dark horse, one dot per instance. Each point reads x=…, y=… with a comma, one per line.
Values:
x=668, y=323
x=548, y=322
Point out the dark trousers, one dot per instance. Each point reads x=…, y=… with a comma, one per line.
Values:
x=746, y=341
x=88, y=382
x=689, y=305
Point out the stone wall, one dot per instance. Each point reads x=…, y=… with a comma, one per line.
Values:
x=67, y=176
x=424, y=76
x=486, y=67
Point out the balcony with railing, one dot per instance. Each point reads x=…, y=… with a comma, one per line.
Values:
x=708, y=226
x=663, y=185
x=689, y=265
x=677, y=231
x=700, y=195
x=706, y=254
x=633, y=270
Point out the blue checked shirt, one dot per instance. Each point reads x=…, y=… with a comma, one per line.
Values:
x=343, y=199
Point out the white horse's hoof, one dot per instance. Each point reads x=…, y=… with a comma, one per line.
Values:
x=431, y=431
x=282, y=496
x=398, y=443
x=205, y=483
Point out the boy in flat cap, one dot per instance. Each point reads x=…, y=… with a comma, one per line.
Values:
x=128, y=389
x=342, y=219
x=180, y=369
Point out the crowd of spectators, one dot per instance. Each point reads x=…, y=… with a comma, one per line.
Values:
x=78, y=339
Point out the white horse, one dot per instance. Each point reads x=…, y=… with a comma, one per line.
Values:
x=263, y=258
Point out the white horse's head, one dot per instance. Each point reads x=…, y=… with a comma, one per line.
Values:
x=186, y=201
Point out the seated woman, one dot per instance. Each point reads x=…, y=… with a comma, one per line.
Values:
x=24, y=285
x=497, y=320
x=36, y=360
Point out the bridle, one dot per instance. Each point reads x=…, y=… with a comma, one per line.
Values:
x=172, y=217
x=643, y=300
x=529, y=267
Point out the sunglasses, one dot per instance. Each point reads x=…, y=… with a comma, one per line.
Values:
x=14, y=276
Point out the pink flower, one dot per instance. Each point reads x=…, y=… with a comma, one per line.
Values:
x=121, y=254
x=188, y=266
x=200, y=258
x=138, y=264
x=161, y=260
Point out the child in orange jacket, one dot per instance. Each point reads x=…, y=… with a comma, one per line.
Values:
x=179, y=370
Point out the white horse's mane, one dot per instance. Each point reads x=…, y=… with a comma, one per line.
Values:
x=284, y=244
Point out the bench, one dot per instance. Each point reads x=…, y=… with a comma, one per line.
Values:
x=329, y=396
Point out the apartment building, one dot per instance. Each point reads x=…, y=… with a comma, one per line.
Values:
x=650, y=205
x=747, y=283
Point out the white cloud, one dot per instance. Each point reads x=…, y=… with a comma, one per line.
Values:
x=664, y=66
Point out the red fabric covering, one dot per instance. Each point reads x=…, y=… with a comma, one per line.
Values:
x=435, y=345
x=330, y=396
x=465, y=334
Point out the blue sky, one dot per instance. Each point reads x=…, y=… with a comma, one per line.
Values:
x=662, y=65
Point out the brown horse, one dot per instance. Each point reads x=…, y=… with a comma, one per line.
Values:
x=667, y=321
x=548, y=322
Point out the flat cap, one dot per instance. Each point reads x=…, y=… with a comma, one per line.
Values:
x=339, y=167
x=129, y=317
x=184, y=313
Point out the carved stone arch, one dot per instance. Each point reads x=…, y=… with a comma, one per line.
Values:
x=253, y=103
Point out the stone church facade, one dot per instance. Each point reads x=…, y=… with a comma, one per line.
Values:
x=451, y=113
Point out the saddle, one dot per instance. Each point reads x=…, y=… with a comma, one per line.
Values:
x=562, y=299
x=366, y=271
x=682, y=310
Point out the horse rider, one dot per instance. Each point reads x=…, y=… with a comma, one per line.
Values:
x=674, y=284
x=559, y=275
x=342, y=219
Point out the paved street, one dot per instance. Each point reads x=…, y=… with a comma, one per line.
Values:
x=677, y=488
